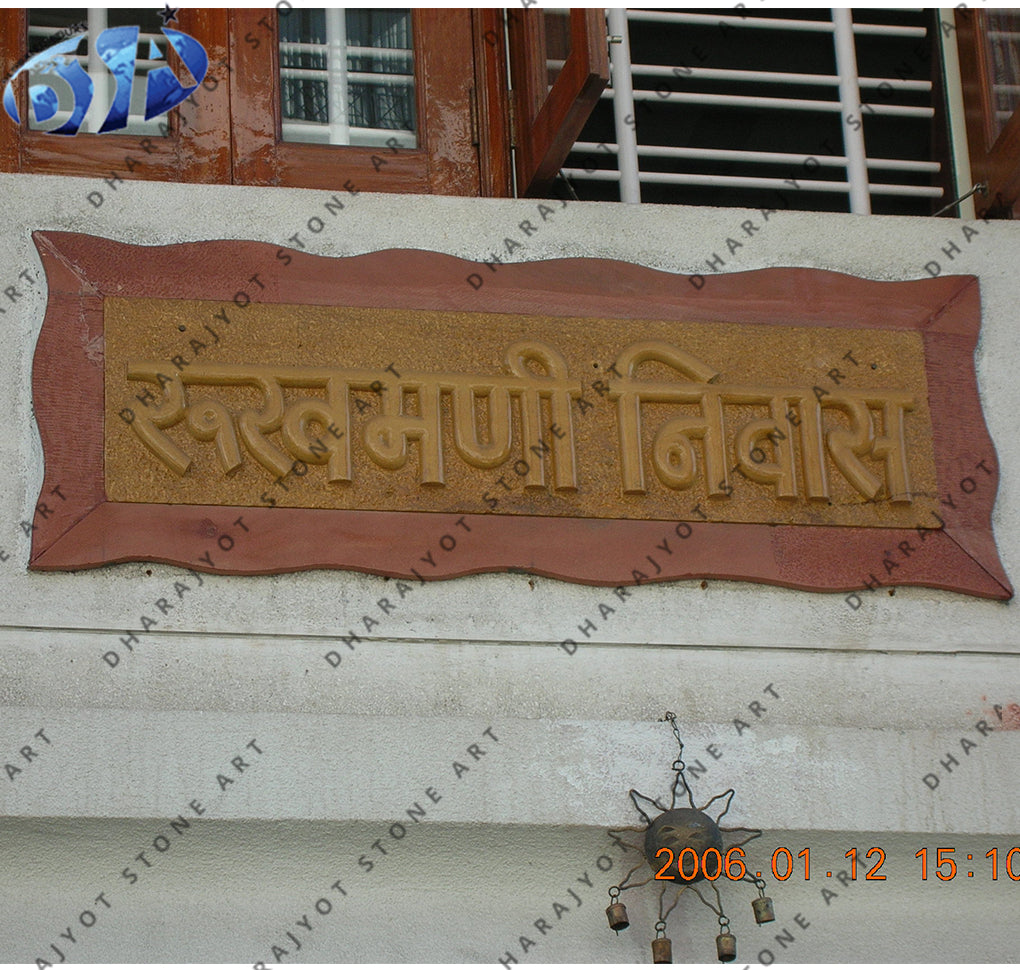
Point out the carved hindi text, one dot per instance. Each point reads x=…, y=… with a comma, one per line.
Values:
x=356, y=408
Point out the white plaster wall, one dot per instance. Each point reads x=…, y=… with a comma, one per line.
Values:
x=868, y=700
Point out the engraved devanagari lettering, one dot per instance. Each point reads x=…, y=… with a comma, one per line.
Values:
x=767, y=449
x=675, y=417
x=278, y=432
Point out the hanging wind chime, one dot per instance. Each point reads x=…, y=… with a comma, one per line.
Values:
x=685, y=846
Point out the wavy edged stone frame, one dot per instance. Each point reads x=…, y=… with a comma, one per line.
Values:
x=89, y=530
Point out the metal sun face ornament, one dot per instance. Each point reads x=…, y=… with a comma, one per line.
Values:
x=686, y=846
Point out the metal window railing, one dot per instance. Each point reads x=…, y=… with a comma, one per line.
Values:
x=632, y=83
x=771, y=23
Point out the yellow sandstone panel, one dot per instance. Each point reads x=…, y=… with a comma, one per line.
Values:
x=356, y=408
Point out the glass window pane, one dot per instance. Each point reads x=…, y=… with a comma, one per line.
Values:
x=347, y=77
x=46, y=27
x=1004, y=64
x=556, y=24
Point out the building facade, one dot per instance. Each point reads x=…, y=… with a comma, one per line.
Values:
x=331, y=766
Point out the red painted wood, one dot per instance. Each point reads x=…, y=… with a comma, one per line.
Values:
x=995, y=161
x=445, y=163
x=91, y=531
x=197, y=148
x=549, y=121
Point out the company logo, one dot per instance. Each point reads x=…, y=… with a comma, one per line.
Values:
x=117, y=47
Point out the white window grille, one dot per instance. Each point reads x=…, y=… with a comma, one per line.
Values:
x=639, y=84
x=45, y=24
x=347, y=77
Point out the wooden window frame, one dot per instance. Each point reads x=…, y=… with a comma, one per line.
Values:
x=994, y=160
x=446, y=159
x=196, y=148
x=230, y=130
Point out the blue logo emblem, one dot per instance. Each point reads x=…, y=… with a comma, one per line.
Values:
x=117, y=47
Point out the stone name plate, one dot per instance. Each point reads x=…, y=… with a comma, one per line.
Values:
x=789, y=426
x=365, y=408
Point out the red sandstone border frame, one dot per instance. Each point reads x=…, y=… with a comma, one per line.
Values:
x=89, y=530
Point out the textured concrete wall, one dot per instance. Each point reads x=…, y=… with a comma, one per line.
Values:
x=825, y=719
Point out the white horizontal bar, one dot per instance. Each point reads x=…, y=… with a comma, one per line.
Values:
x=140, y=62
x=774, y=77
x=296, y=126
x=712, y=154
x=890, y=30
x=395, y=52
x=770, y=23
x=321, y=74
x=371, y=77
x=50, y=31
x=899, y=110
x=305, y=48
x=62, y=115
x=786, y=104
x=668, y=178
x=34, y=31
x=301, y=47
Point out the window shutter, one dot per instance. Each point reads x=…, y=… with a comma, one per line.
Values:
x=549, y=120
x=989, y=46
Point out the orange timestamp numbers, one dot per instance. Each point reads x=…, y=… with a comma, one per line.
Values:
x=711, y=864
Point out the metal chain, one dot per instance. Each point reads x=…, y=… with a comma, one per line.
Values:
x=671, y=717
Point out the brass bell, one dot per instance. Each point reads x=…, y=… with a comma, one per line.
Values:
x=617, y=915
x=662, y=950
x=763, y=910
x=726, y=946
